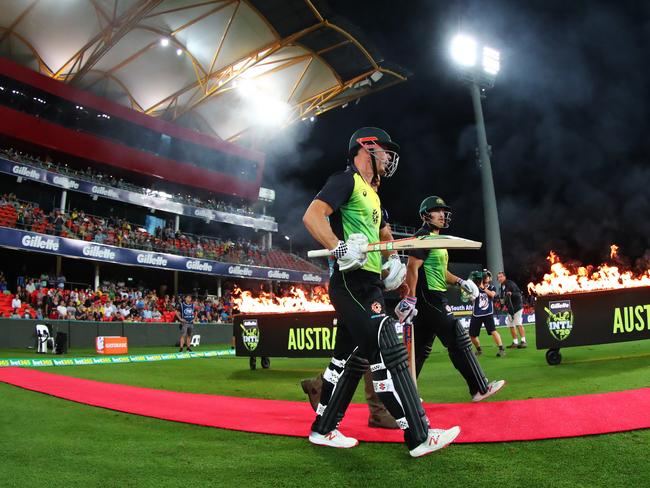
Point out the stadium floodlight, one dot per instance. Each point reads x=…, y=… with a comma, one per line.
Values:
x=179, y=52
x=479, y=76
x=247, y=88
x=263, y=108
x=491, y=60
x=463, y=50
x=290, y=246
x=164, y=42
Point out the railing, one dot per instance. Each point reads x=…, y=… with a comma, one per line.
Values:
x=399, y=230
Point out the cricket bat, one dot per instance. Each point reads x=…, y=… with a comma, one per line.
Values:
x=421, y=242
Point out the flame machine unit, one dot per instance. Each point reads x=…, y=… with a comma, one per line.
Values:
x=599, y=317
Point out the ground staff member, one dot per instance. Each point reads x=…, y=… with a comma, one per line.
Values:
x=428, y=276
x=344, y=216
x=510, y=296
x=186, y=313
x=483, y=312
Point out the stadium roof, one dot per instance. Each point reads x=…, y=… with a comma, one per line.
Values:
x=222, y=67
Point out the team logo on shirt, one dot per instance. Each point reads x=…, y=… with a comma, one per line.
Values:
x=250, y=335
x=376, y=307
x=483, y=301
x=375, y=216
x=559, y=319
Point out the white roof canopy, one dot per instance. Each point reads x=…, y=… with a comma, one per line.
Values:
x=222, y=66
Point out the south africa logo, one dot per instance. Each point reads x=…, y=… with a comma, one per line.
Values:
x=250, y=335
x=559, y=319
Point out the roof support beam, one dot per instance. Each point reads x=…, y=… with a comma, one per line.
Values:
x=18, y=20
x=112, y=34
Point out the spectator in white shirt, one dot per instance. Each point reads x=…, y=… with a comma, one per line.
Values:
x=31, y=286
x=62, y=309
x=16, y=303
x=125, y=311
x=109, y=310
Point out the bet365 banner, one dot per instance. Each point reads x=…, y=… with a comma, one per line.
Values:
x=600, y=317
x=291, y=335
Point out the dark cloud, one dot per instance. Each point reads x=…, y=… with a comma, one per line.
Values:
x=567, y=122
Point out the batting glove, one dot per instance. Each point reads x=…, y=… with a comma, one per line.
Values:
x=405, y=310
x=396, y=272
x=468, y=287
x=351, y=255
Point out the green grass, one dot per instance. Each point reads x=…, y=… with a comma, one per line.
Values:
x=86, y=446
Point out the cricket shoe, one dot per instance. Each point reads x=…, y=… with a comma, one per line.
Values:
x=333, y=439
x=436, y=440
x=492, y=388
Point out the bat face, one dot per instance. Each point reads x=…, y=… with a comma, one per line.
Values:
x=420, y=242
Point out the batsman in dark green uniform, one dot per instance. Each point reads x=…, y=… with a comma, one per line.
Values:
x=427, y=278
x=344, y=217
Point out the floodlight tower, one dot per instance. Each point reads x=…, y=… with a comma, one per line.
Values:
x=478, y=66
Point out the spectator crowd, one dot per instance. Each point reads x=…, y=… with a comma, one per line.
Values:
x=114, y=231
x=110, y=303
x=97, y=177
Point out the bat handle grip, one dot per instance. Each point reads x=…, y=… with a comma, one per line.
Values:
x=323, y=253
x=319, y=253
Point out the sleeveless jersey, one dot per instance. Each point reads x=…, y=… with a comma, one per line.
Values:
x=434, y=268
x=357, y=210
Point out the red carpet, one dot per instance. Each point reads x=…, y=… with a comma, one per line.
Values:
x=514, y=420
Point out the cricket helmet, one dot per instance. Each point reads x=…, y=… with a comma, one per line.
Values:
x=433, y=203
x=374, y=140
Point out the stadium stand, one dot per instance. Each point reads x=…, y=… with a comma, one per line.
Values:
x=94, y=176
x=77, y=224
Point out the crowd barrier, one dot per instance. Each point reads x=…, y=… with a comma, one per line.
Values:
x=20, y=333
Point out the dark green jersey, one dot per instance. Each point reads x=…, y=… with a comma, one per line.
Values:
x=357, y=210
x=434, y=268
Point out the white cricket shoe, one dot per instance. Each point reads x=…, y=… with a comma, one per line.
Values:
x=493, y=387
x=436, y=440
x=333, y=439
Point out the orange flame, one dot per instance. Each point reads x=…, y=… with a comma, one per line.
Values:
x=565, y=278
x=298, y=300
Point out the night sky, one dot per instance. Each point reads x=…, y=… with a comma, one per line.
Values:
x=567, y=121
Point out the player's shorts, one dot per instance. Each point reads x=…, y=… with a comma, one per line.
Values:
x=187, y=329
x=514, y=320
x=475, y=324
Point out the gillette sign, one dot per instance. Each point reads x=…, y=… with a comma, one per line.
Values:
x=240, y=271
x=26, y=172
x=38, y=242
x=312, y=278
x=75, y=248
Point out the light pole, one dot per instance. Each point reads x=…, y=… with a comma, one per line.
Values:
x=478, y=67
x=289, y=239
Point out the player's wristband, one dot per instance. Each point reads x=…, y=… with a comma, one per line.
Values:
x=340, y=250
x=410, y=300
